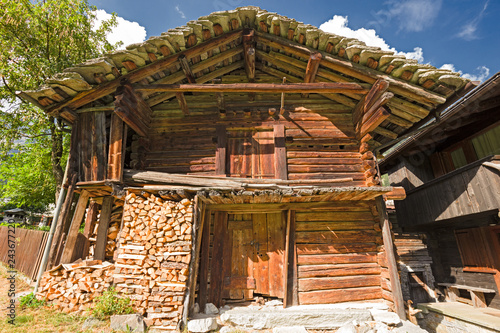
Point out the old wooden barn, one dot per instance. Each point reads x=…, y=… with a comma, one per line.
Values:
x=233, y=158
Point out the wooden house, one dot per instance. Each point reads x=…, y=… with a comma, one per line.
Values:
x=258, y=130
x=450, y=172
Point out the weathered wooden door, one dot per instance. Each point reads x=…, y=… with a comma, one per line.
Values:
x=254, y=255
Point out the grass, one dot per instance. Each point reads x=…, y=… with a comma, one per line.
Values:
x=41, y=318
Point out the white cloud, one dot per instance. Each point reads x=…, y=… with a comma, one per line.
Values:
x=181, y=13
x=469, y=30
x=338, y=25
x=126, y=31
x=412, y=15
x=482, y=74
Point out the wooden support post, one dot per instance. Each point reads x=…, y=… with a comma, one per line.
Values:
x=220, y=154
x=291, y=296
x=102, y=230
x=391, y=258
x=116, y=141
x=187, y=69
x=89, y=224
x=65, y=210
x=205, y=249
x=312, y=68
x=217, y=275
x=69, y=248
x=197, y=231
x=182, y=103
x=280, y=167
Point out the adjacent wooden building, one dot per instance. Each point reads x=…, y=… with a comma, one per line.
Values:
x=266, y=126
x=451, y=175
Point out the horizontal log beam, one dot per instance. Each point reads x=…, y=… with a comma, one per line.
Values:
x=272, y=88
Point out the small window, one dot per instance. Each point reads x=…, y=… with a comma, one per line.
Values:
x=487, y=143
x=458, y=158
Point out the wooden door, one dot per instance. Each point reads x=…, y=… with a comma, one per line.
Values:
x=255, y=244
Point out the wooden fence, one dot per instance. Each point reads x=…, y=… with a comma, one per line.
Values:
x=28, y=251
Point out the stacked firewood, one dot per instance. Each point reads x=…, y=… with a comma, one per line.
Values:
x=153, y=257
x=73, y=287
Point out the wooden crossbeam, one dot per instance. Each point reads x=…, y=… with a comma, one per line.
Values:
x=141, y=73
x=187, y=69
x=272, y=88
x=312, y=68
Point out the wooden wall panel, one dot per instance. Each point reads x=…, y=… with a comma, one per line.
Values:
x=337, y=254
x=319, y=140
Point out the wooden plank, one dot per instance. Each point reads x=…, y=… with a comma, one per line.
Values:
x=90, y=220
x=340, y=295
x=204, y=260
x=102, y=229
x=187, y=69
x=351, y=247
x=275, y=251
x=338, y=282
x=239, y=282
x=280, y=152
x=116, y=137
x=63, y=216
x=312, y=68
x=335, y=216
x=333, y=226
x=320, y=259
x=99, y=144
x=269, y=88
x=217, y=263
x=220, y=154
x=391, y=258
x=328, y=270
x=69, y=248
x=290, y=297
x=261, y=263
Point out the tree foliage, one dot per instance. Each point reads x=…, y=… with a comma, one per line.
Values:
x=37, y=40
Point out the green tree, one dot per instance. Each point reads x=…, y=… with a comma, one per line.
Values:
x=37, y=40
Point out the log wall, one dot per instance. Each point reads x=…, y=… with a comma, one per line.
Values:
x=340, y=256
x=319, y=134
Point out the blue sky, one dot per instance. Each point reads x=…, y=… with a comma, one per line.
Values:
x=460, y=34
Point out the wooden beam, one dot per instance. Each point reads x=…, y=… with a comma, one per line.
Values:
x=116, y=143
x=280, y=168
x=141, y=73
x=69, y=248
x=312, y=68
x=376, y=119
x=187, y=69
x=360, y=72
x=378, y=88
x=271, y=88
x=220, y=153
x=132, y=109
x=102, y=229
x=204, y=258
x=290, y=271
x=90, y=220
x=373, y=108
x=391, y=258
x=58, y=234
x=397, y=193
x=182, y=102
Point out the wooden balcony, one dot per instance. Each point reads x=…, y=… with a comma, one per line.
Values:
x=472, y=189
